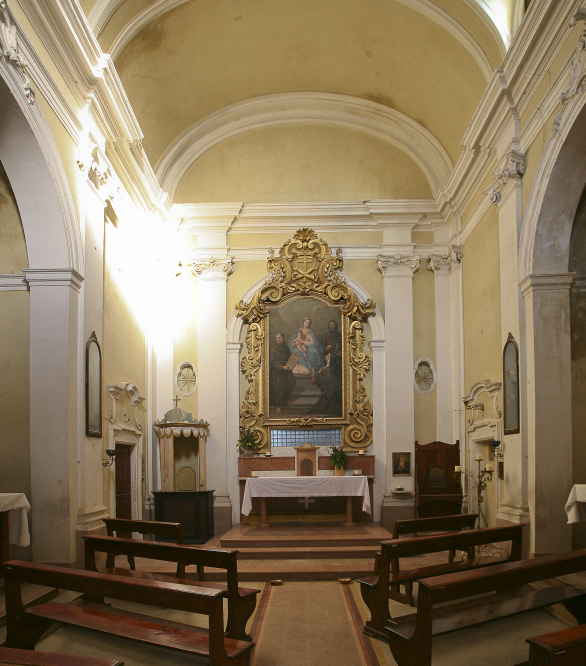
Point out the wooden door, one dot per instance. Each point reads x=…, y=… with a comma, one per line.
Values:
x=123, y=496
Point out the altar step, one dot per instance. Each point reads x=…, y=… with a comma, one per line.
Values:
x=309, y=553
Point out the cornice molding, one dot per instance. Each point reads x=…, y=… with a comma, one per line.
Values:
x=300, y=108
x=546, y=282
x=53, y=277
x=13, y=282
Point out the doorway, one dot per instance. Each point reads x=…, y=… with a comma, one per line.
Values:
x=123, y=486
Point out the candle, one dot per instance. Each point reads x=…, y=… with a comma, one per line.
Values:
x=490, y=467
x=458, y=468
x=479, y=456
x=357, y=472
x=252, y=473
x=361, y=452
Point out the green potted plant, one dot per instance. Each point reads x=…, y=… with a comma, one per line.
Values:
x=247, y=441
x=338, y=459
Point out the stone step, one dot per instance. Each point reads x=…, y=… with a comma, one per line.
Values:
x=309, y=553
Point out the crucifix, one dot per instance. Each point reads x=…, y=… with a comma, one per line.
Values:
x=176, y=399
x=307, y=502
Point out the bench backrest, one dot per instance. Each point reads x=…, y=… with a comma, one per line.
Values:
x=397, y=548
x=167, y=530
x=439, y=524
x=154, y=593
x=450, y=587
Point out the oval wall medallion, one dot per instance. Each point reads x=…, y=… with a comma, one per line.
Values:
x=186, y=379
x=424, y=375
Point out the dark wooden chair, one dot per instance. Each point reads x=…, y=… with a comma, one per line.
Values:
x=437, y=493
x=241, y=600
x=375, y=590
x=566, y=647
x=14, y=657
x=26, y=626
x=420, y=527
x=410, y=637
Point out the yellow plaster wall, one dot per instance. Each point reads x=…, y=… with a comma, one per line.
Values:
x=123, y=342
x=424, y=347
x=243, y=49
x=119, y=19
x=246, y=273
x=15, y=473
x=365, y=272
x=481, y=303
x=302, y=163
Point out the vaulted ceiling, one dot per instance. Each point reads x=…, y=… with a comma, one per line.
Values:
x=236, y=97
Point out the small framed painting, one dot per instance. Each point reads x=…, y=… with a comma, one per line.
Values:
x=511, y=387
x=93, y=387
x=401, y=463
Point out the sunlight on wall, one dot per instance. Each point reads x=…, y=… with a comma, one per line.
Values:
x=142, y=257
x=500, y=13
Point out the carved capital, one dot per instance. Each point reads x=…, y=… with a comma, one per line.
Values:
x=201, y=266
x=456, y=254
x=514, y=170
x=438, y=263
x=398, y=265
x=91, y=159
x=10, y=49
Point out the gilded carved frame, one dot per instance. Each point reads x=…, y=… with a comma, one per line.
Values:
x=305, y=267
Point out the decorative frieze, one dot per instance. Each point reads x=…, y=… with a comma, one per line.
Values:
x=398, y=265
x=10, y=50
x=577, y=68
x=514, y=170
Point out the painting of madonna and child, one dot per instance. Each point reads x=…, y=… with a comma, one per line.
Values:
x=305, y=360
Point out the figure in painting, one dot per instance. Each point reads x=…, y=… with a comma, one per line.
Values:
x=330, y=383
x=305, y=343
x=332, y=340
x=282, y=381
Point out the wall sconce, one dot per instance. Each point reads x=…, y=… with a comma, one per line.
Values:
x=494, y=445
x=112, y=454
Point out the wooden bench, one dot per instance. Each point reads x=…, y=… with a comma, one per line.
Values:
x=124, y=526
x=241, y=600
x=419, y=527
x=25, y=627
x=566, y=647
x=375, y=590
x=13, y=657
x=410, y=637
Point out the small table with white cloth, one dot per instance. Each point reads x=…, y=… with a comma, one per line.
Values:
x=305, y=486
x=576, y=504
x=14, y=525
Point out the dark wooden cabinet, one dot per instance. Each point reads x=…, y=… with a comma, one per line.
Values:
x=437, y=492
x=193, y=509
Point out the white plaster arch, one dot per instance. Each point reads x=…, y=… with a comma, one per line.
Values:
x=554, y=196
x=306, y=108
x=31, y=159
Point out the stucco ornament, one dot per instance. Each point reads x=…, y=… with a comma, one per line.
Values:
x=305, y=267
x=90, y=160
x=10, y=50
x=225, y=265
x=514, y=170
x=577, y=68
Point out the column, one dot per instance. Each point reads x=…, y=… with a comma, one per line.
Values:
x=549, y=409
x=440, y=265
x=379, y=430
x=212, y=275
x=398, y=273
x=458, y=392
x=232, y=425
x=55, y=397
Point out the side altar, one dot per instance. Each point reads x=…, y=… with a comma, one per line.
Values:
x=184, y=497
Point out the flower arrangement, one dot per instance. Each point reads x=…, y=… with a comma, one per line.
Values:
x=247, y=440
x=338, y=456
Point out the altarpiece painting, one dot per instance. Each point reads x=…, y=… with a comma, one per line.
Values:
x=305, y=361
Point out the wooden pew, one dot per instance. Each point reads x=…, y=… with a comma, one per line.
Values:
x=25, y=627
x=566, y=647
x=13, y=657
x=410, y=637
x=241, y=600
x=418, y=527
x=375, y=589
x=170, y=531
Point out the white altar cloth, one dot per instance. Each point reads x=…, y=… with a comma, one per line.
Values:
x=576, y=504
x=18, y=506
x=306, y=486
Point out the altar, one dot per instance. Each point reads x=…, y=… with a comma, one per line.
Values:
x=306, y=486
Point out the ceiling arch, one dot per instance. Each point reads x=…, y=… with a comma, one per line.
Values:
x=315, y=108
